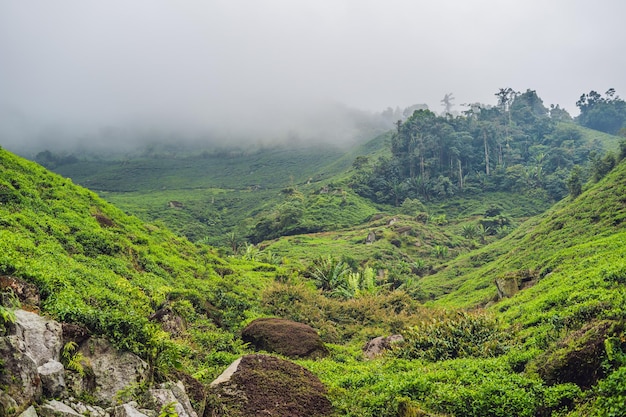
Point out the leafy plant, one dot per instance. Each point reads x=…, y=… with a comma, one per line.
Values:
x=72, y=359
x=8, y=302
x=168, y=410
x=330, y=275
x=457, y=335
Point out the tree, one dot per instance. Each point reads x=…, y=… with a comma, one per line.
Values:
x=574, y=182
x=446, y=102
x=607, y=114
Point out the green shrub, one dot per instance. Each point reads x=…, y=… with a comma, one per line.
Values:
x=612, y=395
x=457, y=335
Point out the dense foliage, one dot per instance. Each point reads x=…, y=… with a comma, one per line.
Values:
x=518, y=145
x=607, y=114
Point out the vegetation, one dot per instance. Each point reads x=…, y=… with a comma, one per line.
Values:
x=518, y=145
x=407, y=236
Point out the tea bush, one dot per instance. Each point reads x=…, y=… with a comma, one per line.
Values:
x=457, y=335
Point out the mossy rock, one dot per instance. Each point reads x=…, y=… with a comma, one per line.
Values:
x=259, y=385
x=578, y=357
x=285, y=337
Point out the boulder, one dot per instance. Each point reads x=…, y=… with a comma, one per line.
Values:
x=52, y=376
x=74, y=333
x=512, y=282
x=170, y=321
x=41, y=337
x=170, y=393
x=34, y=341
x=19, y=378
x=262, y=385
x=109, y=370
x=29, y=412
x=54, y=408
x=286, y=337
x=378, y=345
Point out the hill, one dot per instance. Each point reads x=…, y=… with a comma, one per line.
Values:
x=96, y=266
x=524, y=355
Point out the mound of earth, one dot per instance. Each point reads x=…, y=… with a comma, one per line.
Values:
x=289, y=338
x=578, y=357
x=262, y=385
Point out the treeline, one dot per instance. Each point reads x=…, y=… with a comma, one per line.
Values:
x=518, y=145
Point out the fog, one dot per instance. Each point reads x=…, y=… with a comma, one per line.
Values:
x=110, y=73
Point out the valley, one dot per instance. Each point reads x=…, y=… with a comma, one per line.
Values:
x=506, y=284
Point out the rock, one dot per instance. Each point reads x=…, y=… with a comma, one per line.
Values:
x=174, y=393
x=52, y=376
x=507, y=287
x=96, y=411
x=29, y=412
x=262, y=385
x=109, y=370
x=31, y=358
x=8, y=406
x=193, y=389
x=286, y=337
x=19, y=378
x=378, y=345
x=128, y=410
x=511, y=283
x=54, y=408
x=170, y=321
x=42, y=338
x=371, y=238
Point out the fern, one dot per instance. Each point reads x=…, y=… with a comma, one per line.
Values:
x=8, y=302
x=72, y=360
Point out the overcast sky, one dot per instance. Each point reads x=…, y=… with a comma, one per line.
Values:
x=86, y=64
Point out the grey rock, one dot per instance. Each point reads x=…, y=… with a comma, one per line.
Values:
x=127, y=410
x=112, y=370
x=52, y=376
x=29, y=412
x=20, y=375
x=34, y=341
x=54, y=408
x=96, y=411
x=42, y=337
x=378, y=345
x=180, y=401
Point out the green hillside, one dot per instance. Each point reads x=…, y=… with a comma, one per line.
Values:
x=99, y=267
x=220, y=191
x=554, y=348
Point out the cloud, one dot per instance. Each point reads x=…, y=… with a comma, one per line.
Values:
x=259, y=68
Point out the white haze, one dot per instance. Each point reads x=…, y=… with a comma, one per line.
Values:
x=109, y=73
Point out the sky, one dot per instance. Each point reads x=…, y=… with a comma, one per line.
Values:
x=256, y=68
